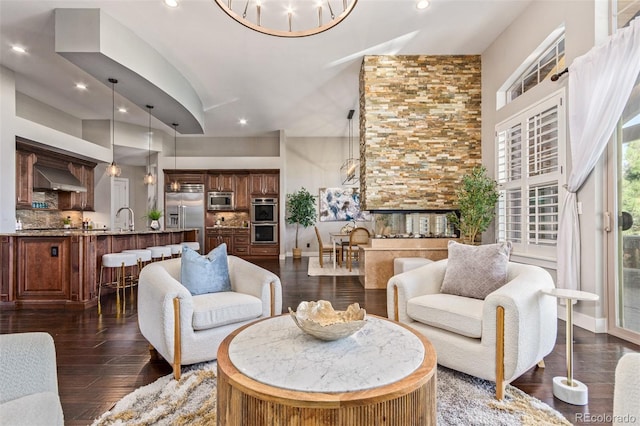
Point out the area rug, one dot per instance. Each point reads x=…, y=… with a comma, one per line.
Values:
x=315, y=269
x=461, y=399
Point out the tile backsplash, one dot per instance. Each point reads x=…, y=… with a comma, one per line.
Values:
x=45, y=213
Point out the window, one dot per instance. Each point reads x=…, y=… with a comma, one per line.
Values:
x=550, y=62
x=529, y=157
x=546, y=60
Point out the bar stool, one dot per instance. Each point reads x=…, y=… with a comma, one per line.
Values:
x=159, y=253
x=119, y=261
x=176, y=250
x=193, y=245
x=143, y=256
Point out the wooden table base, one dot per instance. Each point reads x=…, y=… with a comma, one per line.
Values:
x=237, y=408
x=243, y=401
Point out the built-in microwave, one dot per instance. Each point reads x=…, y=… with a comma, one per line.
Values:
x=220, y=200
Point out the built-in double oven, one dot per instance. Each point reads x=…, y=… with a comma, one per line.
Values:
x=264, y=220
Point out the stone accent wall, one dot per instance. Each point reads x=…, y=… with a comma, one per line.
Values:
x=420, y=129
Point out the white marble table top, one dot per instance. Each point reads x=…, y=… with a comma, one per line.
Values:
x=563, y=293
x=277, y=353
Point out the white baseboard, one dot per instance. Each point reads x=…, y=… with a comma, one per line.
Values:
x=595, y=325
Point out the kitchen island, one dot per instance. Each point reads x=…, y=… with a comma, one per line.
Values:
x=60, y=268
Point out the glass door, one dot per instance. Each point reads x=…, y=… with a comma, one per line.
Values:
x=625, y=263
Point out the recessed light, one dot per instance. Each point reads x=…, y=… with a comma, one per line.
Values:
x=18, y=49
x=171, y=3
x=81, y=86
x=243, y=121
x=422, y=4
x=122, y=110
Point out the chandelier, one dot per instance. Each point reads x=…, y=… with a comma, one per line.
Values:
x=349, y=172
x=288, y=18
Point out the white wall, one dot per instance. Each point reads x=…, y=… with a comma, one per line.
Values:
x=583, y=27
x=191, y=146
x=314, y=163
x=97, y=131
x=34, y=110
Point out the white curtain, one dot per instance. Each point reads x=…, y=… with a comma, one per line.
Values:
x=600, y=83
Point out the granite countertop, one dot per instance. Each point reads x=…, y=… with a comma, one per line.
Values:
x=226, y=227
x=62, y=232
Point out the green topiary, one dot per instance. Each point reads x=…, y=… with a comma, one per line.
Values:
x=301, y=209
x=477, y=198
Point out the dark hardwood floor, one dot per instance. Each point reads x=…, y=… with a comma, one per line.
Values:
x=103, y=358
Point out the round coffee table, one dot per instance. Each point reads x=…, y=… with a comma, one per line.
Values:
x=271, y=372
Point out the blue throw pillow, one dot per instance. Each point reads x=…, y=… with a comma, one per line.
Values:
x=205, y=274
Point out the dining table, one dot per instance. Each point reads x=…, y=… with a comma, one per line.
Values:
x=335, y=236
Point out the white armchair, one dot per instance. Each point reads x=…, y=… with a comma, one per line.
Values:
x=29, y=380
x=497, y=338
x=188, y=329
x=626, y=392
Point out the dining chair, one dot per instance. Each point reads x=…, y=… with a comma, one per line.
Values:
x=323, y=250
x=357, y=237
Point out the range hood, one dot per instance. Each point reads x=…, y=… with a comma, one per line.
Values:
x=47, y=178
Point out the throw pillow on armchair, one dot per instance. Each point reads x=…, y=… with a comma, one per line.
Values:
x=205, y=274
x=476, y=271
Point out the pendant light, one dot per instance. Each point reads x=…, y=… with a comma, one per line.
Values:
x=113, y=170
x=149, y=178
x=175, y=185
x=349, y=171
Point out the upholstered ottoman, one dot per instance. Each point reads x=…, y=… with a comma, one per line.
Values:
x=404, y=264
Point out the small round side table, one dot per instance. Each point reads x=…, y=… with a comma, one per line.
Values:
x=567, y=388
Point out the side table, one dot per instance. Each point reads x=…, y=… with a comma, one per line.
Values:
x=567, y=388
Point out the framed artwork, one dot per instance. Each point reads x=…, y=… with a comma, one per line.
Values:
x=341, y=204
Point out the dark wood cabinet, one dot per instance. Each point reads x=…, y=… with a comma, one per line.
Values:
x=24, y=178
x=236, y=239
x=242, y=196
x=184, y=177
x=241, y=242
x=7, y=268
x=83, y=201
x=264, y=250
x=265, y=184
x=245, y=184
x=62, y=271
x=215, y=237
x=44, y=269
x=220, y=182
x=29, y=154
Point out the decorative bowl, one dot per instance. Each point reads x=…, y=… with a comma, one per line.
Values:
x=320, y=320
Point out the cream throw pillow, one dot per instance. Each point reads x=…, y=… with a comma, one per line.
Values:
x=476, y=271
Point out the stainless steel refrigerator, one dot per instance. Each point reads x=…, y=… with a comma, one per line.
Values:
x=185, y=209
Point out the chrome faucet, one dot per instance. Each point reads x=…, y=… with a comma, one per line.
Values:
x=131, y=225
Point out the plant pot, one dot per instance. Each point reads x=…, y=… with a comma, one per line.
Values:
x=297, y=253
x=155, y=225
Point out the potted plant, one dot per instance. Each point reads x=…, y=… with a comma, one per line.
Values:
x=154, y=215
x=477, y=197
x=301, y=210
